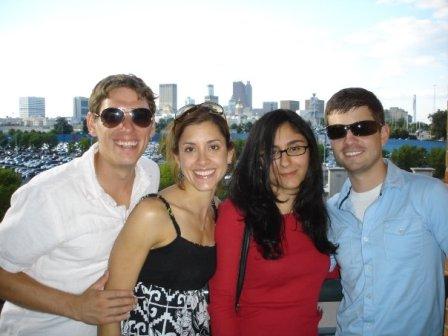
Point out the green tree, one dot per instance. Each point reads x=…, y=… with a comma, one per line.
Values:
x=436, y=160
x=166, y=176
x=71, y=147
x=3, y=139
x=399, y=133
x=321, y=150
x=438, y=124
x=407, y=156
x=238, y=145
x=9, y=182
x=85, y=129
x=247, y=126
x=84, y=144
x=162, y=123
x=61, y=126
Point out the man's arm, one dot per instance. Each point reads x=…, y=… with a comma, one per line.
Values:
x=94, y=306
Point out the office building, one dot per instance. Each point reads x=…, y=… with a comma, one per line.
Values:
x=293, y=105
x=211, y=95
x=269, y=106
x=396, y=114
x=32, y=107
x=80, y=109
x=314, y=110
x=168, y=98
x=189, y=101
x=242, y=93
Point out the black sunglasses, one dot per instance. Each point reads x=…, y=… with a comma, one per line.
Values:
x=212, y=107
x=114, y=116
x=360, y=128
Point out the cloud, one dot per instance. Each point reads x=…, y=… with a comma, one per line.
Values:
x=440, y=7
x=403, y=42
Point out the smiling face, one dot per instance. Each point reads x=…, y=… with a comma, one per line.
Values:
x=287, y=173
x=203, y=156
x=120, y=147
x=359, y=154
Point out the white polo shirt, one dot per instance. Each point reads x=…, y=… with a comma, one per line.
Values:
x=59, y=230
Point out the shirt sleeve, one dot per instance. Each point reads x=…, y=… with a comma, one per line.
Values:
x=435, y=206
x=29, y=229
x=228, y=237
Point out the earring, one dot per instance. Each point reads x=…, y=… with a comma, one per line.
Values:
x=229, y=168
x=180, y=175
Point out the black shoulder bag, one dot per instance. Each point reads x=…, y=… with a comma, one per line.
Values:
x=242, y=268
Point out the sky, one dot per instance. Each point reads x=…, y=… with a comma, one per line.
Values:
x=287, y=49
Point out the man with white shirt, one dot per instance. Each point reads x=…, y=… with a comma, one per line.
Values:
x=56, y=237
x=391, y=227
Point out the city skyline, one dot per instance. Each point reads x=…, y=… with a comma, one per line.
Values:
x=288, y=50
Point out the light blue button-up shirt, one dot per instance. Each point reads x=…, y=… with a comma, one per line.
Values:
x=392, y=262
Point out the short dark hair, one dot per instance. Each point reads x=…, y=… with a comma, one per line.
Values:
x=349, y=98
x=102, y=90
x=252, y=193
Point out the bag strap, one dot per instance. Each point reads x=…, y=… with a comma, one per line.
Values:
x=242, y=267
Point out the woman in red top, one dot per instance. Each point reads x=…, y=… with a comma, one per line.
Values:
x=277, y=192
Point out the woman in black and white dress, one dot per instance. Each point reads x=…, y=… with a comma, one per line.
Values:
x=166, y=249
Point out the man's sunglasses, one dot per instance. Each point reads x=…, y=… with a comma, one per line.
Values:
x=113, y=116
x=211, y=107
x=360, y=128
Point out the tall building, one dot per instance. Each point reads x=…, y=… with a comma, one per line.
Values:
x=211, y=95
x=293, y=105
x=414, y=109
x=395, y=114
x=168, y=98
x=242, y=93
x=31, y=107
x=248, y=94
x=314, y=109
x=269, y=106
x=80, y=108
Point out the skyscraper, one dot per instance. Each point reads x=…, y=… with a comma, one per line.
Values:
x=32, y=107
x=242, y=93
x=168, y=98
x=211, y=96
x=248, y=94
x=414, y=109
x=80, y=108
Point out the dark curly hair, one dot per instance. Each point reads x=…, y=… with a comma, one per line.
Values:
x=251, y=190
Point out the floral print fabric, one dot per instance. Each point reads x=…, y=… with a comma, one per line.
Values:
x=167, y=312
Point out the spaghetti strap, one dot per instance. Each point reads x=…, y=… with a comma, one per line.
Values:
x=168, y=208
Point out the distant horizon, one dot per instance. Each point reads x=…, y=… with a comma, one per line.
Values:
x=287, y=49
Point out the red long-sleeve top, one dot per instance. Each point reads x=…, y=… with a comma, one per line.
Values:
x=279, y=297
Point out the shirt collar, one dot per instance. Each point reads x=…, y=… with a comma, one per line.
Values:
x=394, y=178
x=93, y=189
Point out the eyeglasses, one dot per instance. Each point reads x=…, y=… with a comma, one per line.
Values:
x=212, y=107
x=290, y=151
x=113, y=116
x=360, y=128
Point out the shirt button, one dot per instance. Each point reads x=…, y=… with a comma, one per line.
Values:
x=366, y=239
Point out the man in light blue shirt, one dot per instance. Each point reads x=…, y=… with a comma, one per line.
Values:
x=391, y=227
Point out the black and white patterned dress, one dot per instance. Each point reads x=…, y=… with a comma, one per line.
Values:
x=170, y=289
